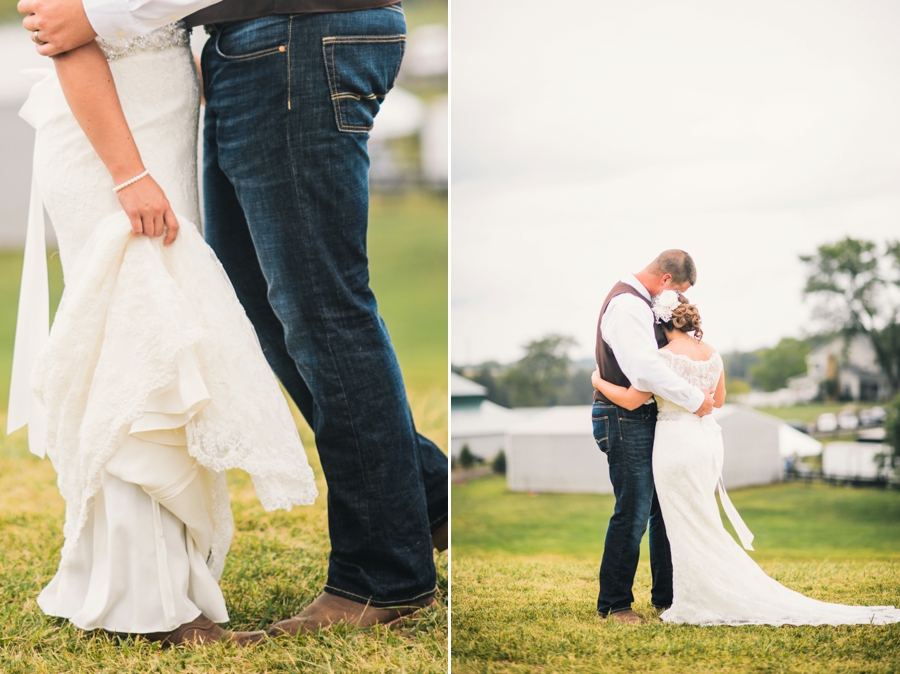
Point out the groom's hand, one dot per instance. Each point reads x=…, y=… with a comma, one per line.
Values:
x=707, y=406
x=61, y=24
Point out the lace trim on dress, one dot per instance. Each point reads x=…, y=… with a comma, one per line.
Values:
x=704, y=374
x=173, y=35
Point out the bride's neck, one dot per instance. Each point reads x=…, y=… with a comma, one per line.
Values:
x=675, y=335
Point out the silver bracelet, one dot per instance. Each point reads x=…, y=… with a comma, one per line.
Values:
x=119, y=188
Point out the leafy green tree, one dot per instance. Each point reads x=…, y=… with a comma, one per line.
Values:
x=776, y=365
x=738, y=363
x=487, y=374
x=466, y=458
x=736, y=387
x=543, y=376
x=855, y=286
x=498, y=465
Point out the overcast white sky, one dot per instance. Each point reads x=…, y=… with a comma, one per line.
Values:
x=589, y=135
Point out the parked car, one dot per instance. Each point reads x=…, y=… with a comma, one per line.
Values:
x=847, y=421
x=827, y=422
x=873, y=416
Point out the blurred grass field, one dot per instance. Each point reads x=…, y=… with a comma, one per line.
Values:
x=525, y=584
x=278, y=560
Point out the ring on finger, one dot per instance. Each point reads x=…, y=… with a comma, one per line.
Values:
x=36, y=38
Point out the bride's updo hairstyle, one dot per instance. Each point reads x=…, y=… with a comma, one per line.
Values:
x=686, y=318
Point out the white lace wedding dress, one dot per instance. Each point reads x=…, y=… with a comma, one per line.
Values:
x=152, y=382
x=715, y=581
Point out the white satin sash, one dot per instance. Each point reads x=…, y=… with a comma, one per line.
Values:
x=33, y=320
x=743, y=532
x=32, y=330
x=740, y=528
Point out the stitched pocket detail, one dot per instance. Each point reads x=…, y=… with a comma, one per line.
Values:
x=361, y=70
x=262, y=34
x=601, y=432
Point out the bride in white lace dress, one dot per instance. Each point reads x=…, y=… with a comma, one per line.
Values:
x=715, y=582
x=151, y=383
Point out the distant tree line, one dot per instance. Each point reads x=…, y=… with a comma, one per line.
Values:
x=768, y=369
x=854, y=285
x=545, y=376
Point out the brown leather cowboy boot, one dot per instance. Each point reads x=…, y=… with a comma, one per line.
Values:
x=202, y=630
x=626, y=616
x=329, y=609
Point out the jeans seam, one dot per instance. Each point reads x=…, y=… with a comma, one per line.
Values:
x=290, y=35
x=369, y=600
x=318, y=296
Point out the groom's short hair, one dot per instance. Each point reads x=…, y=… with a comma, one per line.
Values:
x=679, y=264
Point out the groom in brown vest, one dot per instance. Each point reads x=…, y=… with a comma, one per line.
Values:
x=627, y=341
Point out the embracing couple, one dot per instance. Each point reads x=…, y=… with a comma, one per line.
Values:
x=157, y=376
x=656, y=384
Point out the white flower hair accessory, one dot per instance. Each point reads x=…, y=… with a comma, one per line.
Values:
x=664, y=304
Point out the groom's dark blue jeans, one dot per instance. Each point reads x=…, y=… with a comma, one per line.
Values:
x=626, y=437
x=290, y=100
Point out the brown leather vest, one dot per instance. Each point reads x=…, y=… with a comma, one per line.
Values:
x=606, y=359
x=239, y=10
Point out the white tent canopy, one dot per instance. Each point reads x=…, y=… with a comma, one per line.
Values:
x=792, y=442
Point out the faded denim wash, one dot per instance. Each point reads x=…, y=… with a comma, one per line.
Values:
x=626, y=437
x=290, y=101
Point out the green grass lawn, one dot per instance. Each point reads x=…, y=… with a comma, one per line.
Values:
x=278, y=560
x=809, y=413
x=525, y=581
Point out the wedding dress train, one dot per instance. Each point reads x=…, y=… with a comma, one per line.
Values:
x=715, y=581
x=151, y=383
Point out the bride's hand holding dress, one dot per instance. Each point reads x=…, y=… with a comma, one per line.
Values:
x=86, y=82
x=151, y=383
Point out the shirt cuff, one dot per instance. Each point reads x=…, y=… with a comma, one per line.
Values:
x=698, y=397
x=111, y=19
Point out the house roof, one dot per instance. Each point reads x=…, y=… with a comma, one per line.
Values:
x=460, y=387
x=486, y=419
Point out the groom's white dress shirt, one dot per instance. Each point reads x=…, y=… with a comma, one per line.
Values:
x=116, y=19
x=627, y=327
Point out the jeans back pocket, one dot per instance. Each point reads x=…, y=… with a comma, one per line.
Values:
x=601, y=432
x=361, y=71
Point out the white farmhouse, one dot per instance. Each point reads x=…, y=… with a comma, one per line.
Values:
x=852, y=365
